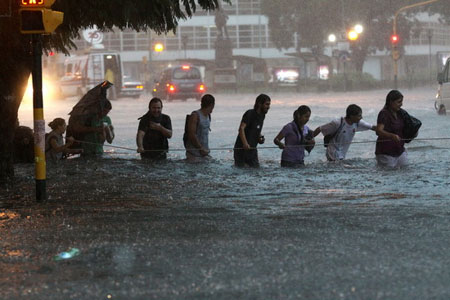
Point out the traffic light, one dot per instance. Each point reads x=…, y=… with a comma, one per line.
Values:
x=36, y=16
x=394, y=39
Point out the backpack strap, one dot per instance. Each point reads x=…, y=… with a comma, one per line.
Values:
x=338, y=131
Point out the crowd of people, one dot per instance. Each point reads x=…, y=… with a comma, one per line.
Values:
x=87, y=134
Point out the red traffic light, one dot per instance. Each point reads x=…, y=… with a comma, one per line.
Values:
x=394, y=39
x=36, y=3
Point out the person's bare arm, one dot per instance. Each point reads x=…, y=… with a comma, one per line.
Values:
x=317, y=131
x=164, y=131
x=140, y=141
x=242, y=136
x=277, y=140
x=387, y=135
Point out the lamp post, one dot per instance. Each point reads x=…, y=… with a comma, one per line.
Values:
x=430, y=36
x=395, y=55
x=184, y=41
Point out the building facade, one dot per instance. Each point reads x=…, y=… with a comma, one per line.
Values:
x=249, y=34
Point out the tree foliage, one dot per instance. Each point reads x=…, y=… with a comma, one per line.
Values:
x=313, y=21
x=15, y=66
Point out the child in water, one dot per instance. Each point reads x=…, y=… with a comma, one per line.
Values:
x=54, y=141
x=297, y=138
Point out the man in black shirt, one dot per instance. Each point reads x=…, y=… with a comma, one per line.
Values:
x=154, y=131
x=249, y=137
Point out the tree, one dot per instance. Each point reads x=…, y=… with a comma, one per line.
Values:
x=312, y=21
x=15, y=66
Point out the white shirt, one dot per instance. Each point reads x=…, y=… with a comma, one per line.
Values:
x=339, y=144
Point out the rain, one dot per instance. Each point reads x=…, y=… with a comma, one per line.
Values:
x=121, y=227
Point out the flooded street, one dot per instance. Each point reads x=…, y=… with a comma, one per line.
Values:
x=346, y=230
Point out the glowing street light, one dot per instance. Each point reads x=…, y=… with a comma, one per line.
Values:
x=332, y=38
x=352, y=35
x=159, y=47
x=358, y=28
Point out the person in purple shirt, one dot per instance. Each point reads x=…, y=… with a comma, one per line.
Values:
x=297, y=138
x=390, y=150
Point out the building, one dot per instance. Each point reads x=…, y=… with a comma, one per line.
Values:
x=249, y=34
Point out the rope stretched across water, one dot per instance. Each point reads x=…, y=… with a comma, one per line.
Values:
x=262, y=147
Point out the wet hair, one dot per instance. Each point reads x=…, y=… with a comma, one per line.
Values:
x=56, y=122
x=207, y=100
x=154, y=100
x=301, y=110
x=392, y=96
x=260, y=100
x=352, y=110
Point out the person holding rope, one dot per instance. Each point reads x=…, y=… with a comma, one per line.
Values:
x=297, y=138
x=249, y=134
x=155, y=128
x=390, y=148
x=198, y=128
x=55, y=149
x=339, y=133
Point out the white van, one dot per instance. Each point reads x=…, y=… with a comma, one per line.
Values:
x=442, y=103
x=83, y=72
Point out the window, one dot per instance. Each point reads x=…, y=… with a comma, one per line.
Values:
x=191, y=73
x=446, y=71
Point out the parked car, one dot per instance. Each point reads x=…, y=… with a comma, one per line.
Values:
x=180, y=82
x=131, y=87
x=442, y=103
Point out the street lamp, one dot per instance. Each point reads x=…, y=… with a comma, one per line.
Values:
x=159, y=47
x=332, y=38
x=358, y=28
x=430, y=36
x=352, y=35
x=395, y=55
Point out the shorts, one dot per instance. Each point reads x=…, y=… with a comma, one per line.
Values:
x=393, y=161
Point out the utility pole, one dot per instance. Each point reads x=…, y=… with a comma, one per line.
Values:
x=37, y=18
x=430, y=36
x=39, y=122
x=395, y=55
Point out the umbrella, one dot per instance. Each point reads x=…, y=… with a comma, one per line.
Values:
x=93, y=101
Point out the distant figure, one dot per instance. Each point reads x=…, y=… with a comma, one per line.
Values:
x=390, y=149
x=340, y=132
x=249, y=136
x=154, y=131
x=221, y=19
x=23, y=144
x=93, y=129
x=54, y=142
x=109, y=76
x=198, y=127
x=297, y=138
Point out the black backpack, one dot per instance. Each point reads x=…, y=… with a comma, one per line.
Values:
x=327, y=138
x=185, y=135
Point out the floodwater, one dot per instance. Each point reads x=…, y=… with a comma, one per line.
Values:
x=271, y=189
x=175, y=230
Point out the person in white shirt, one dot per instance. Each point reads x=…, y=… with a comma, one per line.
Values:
x=342, y=131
